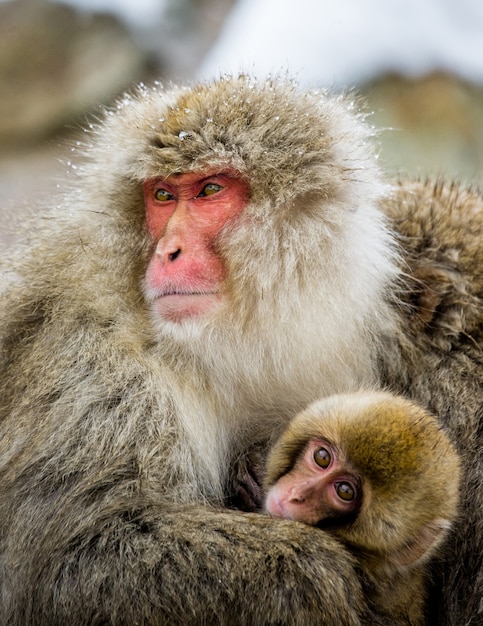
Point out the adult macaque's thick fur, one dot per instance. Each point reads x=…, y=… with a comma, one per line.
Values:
x=119, y=431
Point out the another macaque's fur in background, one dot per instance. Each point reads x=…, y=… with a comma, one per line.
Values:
x=404, y=479
x=118, y=430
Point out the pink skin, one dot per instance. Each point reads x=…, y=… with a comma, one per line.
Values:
x=184, y=214
x=308, y=493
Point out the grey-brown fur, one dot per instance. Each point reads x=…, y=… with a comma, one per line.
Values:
x=118, y=432
x=437, y=359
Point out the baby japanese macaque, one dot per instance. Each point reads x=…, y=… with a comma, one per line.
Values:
x=379, y=473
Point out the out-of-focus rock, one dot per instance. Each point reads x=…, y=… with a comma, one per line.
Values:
x=56, y=63
x=434, y=125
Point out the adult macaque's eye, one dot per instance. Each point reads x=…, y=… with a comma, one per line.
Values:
x=210, y=189
x=162, y=195
x=322, y=457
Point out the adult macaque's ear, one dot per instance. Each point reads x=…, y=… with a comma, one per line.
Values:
x=420, y=546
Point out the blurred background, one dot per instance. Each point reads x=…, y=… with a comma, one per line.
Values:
x=417, y=63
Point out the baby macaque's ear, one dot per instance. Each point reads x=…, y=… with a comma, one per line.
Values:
x=422, y=545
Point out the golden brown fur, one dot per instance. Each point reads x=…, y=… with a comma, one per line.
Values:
x=117, y=431
x=409, y=476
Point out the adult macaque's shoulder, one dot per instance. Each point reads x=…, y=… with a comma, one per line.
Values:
x=439, y=228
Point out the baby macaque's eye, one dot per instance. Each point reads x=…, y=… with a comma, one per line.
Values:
x=322, y=457
x=345, y=491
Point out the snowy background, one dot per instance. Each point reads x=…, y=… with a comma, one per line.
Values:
x=331, y=42
x=346, y=42
x=417, y=63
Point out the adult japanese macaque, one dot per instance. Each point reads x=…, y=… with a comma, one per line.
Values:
x=223, y=255
x=379, y=473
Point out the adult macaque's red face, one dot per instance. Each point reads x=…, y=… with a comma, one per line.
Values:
x=184, y=214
